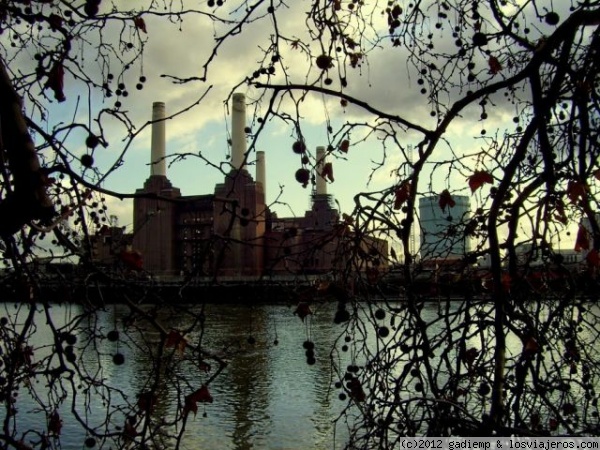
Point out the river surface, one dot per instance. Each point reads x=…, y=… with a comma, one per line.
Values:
x=268, y=397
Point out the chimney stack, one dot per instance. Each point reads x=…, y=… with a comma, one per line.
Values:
x=260, y=171
x=157, y=158
x=321, y=182
x=238, y=131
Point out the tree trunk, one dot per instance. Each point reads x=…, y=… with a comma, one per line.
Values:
x=28, y=199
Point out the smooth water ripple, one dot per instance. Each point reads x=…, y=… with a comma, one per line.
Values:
x=268, y=397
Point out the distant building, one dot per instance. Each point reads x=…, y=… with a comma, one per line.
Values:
x=531, y=255
x=108, y=244
x=592, y=236
x=443, y=230
x=232, y=232
x=587, y=224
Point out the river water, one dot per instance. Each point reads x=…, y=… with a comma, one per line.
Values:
x=267, y=397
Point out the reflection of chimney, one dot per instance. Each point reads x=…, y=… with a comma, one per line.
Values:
x=238, y=132
x=260, y=170
x=321, y=182
x=157, y=157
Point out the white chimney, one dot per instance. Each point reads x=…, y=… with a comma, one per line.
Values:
x=157, y=158
x=238, y=132
x=260, y=171
x=321, y=182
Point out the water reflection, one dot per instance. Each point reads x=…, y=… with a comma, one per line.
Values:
x=268, y=397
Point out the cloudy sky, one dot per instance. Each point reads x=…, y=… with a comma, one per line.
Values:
x=385, y=80
x=181, y=49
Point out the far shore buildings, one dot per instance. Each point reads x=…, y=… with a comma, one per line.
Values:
x=232, y=232
x=444, y=243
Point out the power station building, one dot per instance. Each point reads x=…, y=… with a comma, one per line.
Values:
x=231, y=231
x=442, y=230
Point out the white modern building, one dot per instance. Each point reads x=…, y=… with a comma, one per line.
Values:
x=443, y=230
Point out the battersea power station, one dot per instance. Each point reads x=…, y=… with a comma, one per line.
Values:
x=232, y=232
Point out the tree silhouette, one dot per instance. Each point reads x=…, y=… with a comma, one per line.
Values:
x=495, y=100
